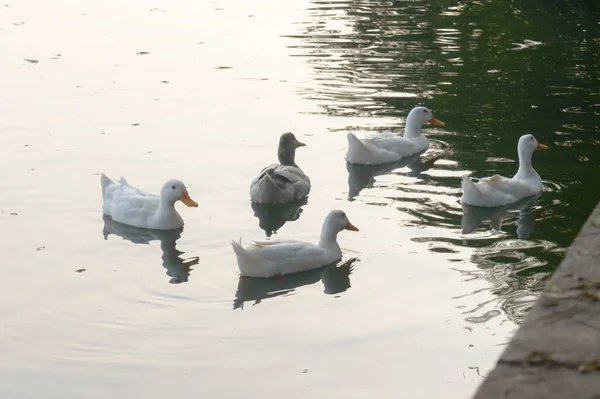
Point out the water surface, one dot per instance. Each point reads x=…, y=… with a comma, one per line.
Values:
x=201, y=92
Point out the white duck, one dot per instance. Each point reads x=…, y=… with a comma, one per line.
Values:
x=276, y=258
x=390, y=147
x=499, y=190
x=284, y=182
x=129, y=205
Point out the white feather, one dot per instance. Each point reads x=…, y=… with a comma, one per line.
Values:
x=499, y=190
x=271, y=258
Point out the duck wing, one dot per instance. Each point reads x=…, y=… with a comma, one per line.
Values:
x=277, y=184
x=379, y=148
x=268, y=259
x=128, y=204
x=491, y=191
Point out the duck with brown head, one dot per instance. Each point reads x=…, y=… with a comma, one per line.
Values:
x=284, y=182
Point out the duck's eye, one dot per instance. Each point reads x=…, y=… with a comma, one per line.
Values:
x=343, y=214
x=173, y=187
x=425, y=110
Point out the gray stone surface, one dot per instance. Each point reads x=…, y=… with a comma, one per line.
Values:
x=556, y=352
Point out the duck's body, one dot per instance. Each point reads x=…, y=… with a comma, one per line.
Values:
x=277, y=258
x=129, y=205
x=284, y=182
x=279, y=184
x=499, y=190
x=389, y=147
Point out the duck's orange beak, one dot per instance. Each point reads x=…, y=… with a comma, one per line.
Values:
x=185, y=198
x=541, y=146
x=436, y=122
x=352, y=227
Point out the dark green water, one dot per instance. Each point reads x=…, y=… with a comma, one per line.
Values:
x=493, y=71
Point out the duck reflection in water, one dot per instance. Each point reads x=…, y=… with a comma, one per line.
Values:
x=474, y=215
x=363, y=176
x=272, y=217
x=335, y=277
x=177, y=268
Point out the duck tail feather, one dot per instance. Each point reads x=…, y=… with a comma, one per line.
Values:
x=353, y=142
x=237, y=247
x=468, y=185
x=105, y=181
x=357, y=152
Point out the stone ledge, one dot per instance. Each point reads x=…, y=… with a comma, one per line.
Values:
x=556, y=351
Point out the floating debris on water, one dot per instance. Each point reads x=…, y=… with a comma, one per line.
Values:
x=526, y=44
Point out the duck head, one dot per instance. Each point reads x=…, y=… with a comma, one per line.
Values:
x=528, y=144
x=338, y=221
x=417, y=117
x=423, y=115
x=286, y=152
x=174, y=190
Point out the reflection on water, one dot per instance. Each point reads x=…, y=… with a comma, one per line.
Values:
x=356, y=65
x=177, y=268
x=473, y=216
x=363, y=176
x=515, y=268
x=373, y=61
x=272, y=217
x=335, y=278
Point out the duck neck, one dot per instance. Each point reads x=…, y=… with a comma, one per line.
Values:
x=328, y=240
x=166, y=207
x=412, y=129
x=525, y=168
x=286, y=157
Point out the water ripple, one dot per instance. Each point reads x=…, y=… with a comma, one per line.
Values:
x=491, y=83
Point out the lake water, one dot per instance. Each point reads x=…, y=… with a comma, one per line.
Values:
x=201, y=91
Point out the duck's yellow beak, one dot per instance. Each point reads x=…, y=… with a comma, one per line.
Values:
x=299, y=144
x=435, y=121
x=352, y=227
x=541, y=146
x=185, y=198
